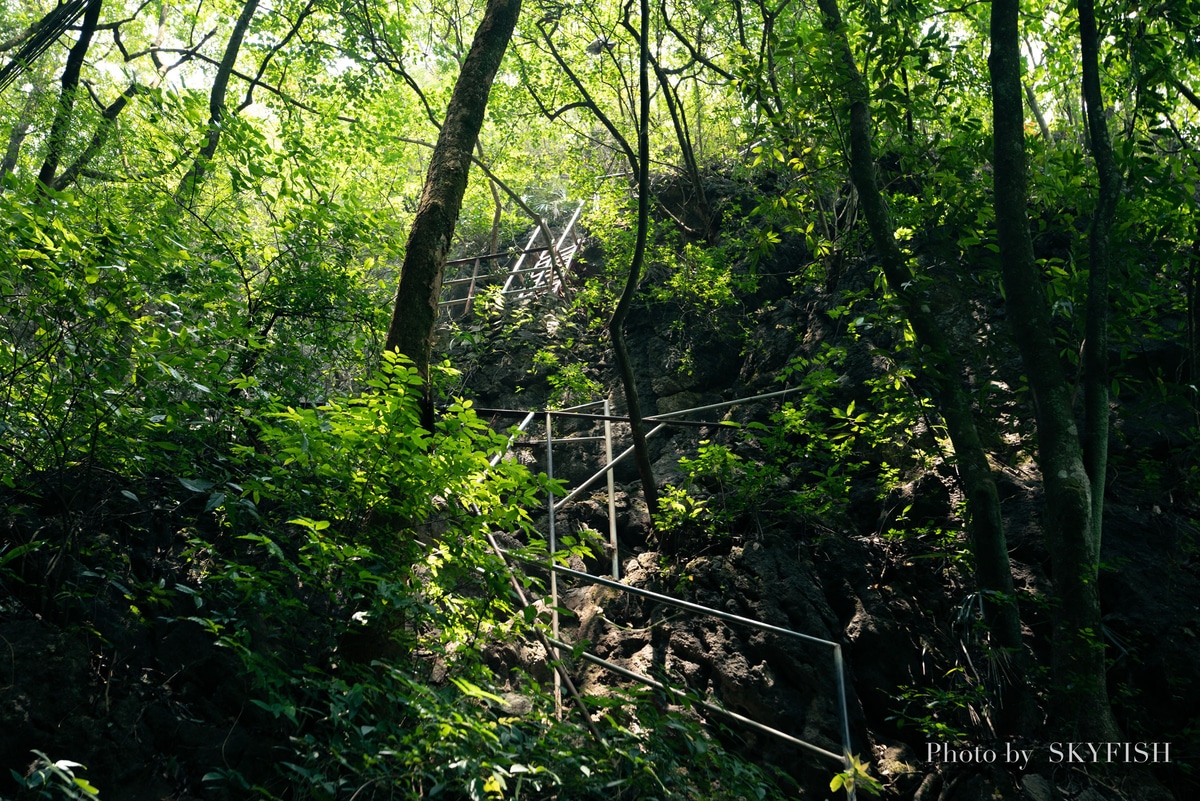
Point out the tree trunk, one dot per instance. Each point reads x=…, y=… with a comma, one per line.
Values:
x=1036, y=108
x=20, y=130
x=945, y=374
x=186, y=192
x=1080, y=700
x=70, y=85
x=639, y=164
x=108, y=119
x=1095, y=351
x=616, y=323
x=1193, y=320
x=415, y=312
x=697, y=204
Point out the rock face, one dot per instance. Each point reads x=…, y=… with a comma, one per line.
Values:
x=888, y=577
x=779, y=681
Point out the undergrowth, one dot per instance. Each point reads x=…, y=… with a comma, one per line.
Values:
x=341, y=560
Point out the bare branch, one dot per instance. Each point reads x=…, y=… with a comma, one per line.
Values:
x=262, y=68
x=99, y=138
x=113, y=26
x=391, y=60
x=272, y=89
x=192, y=51
x=590, y=103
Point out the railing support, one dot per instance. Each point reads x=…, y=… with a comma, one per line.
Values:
x=711, y=707
x=838, y=663
x=553, y=575
x=513, y=272
x=555, y=645
x=612, y=503
x=575, y=493
x=844, y=711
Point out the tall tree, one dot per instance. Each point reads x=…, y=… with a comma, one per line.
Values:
x=616, y=324
x=416, y=307
x=216, y=106
x=1080, y=700
x=639, y=166
x=943, y=371
x=70, y=86
x=1095, y=352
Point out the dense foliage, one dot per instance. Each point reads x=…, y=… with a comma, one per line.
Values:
x=203, y=211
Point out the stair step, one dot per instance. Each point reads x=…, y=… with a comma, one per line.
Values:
x=525, y=282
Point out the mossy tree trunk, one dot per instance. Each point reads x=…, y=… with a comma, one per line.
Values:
x=944, y=373
x=416, y=307
x=1080, y=702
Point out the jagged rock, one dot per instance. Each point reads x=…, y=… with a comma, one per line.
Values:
x=685, y=400
x=898, y=759
x=926, y=497
x=515, y=704
x=1037, y=787
x=889, y=601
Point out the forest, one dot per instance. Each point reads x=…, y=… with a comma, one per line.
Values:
x=322, y=322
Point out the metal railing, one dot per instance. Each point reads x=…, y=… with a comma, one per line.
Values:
x=839, y=667
x=548, y=273
x=553, y=506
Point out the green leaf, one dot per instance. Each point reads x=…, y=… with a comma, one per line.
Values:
x=311, y=525
x=86, y=786
x=20, y=550
x=196, y=484
x=474, y=691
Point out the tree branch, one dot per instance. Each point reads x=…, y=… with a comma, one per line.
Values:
x=262, y=67
x=1186, y=92
x=272, y=89
x=392, y=61
x=69, y=83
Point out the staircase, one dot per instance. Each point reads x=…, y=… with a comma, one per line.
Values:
x=551, y=263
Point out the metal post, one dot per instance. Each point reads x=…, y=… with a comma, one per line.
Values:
x=471, y=289
x=844, y=711
x=553, y=574
x=516, y=268
x=555, y=256
x=575, y=493
x=496, y=459
x=555, y=645
x=612, y=503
